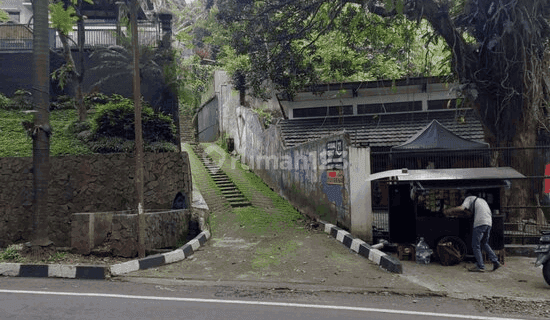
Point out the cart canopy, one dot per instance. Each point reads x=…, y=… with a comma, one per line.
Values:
x=471, y=178
x=436, y=137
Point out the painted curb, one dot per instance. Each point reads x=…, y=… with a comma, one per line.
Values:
x=101, y=272
x=359, y=246
x=161, y=259
x=92, y=272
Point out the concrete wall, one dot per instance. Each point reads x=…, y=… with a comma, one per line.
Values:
x=86, y=183
x=116, y=232
x=207, y=121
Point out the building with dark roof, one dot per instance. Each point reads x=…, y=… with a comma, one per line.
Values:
x=377, y=114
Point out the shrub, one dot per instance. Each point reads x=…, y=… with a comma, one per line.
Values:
x=111, y=145
x=121, y=145
x=5, y=102
x=96, y=98
x=116, y=120
x=63, y=103
x=22, y=100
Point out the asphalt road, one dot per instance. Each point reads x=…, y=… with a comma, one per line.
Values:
x=27, y=298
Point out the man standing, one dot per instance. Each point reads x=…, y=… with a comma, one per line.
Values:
x=482, y=228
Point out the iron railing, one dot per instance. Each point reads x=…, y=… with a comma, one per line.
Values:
x=19, y=36
x=106, y=34
x=15, y=37
x=526, y=230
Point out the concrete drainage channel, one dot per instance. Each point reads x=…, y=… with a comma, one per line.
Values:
x=227, y=187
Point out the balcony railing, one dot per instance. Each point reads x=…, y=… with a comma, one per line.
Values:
x=19, y=37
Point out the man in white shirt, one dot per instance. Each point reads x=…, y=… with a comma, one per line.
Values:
x=482, y=228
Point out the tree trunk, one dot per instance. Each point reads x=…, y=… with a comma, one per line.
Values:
x=80, y=75
x=138, y=132
x=41, y=132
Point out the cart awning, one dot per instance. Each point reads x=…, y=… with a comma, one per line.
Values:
x=471, y=178
x=490, y=173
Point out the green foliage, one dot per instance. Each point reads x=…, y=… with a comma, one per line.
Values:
x=61, y=19
x=57, y=256
x=96, y=98
x=63, y=103
x=4, y=16
x=5, y=102
x=14, y=141
x=194, y=80
x=21, y=100
x=265, y=116
x=116, y=120
x=222, y=141
x=10, y=254
x=305, y=43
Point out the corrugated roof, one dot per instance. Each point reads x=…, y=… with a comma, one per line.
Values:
x=383, y=130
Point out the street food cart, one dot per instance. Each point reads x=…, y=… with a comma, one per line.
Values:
x=417, y=199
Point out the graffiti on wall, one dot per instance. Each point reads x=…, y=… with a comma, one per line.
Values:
x=334, y=154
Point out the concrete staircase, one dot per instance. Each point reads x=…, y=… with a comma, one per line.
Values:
x=231, y=193
x=187, y=130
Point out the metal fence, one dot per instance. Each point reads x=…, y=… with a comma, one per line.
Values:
x=106, y=34
x=15, y=37
x=381, y=223
x=20, y=37
x=526, y=230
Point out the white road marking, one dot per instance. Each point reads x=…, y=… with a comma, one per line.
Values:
x=257, y=303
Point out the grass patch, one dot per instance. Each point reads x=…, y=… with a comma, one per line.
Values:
x=284, y=215
x=10, y=254
x=202, y=179
x=14, y=141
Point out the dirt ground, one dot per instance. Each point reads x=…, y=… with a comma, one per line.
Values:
x=19, y=254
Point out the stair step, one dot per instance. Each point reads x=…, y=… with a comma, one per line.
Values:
x=240, y=204
x=228, y=188
x=233, y=194
x=224, y=183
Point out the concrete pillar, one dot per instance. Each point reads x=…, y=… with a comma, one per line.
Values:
x=360, y=193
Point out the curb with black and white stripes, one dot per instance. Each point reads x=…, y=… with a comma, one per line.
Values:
x=99, y=272
x=163, y=258
x=359, y=246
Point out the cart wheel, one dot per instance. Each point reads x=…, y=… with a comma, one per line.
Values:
x=457, y=243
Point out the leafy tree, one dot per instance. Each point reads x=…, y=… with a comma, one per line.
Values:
x=349, y=46
x=64, y=15
x=499, y=54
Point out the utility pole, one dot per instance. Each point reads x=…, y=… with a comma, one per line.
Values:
x=138, y=131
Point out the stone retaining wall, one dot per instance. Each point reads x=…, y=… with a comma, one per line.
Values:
x=86, y=183
x=116, y=232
